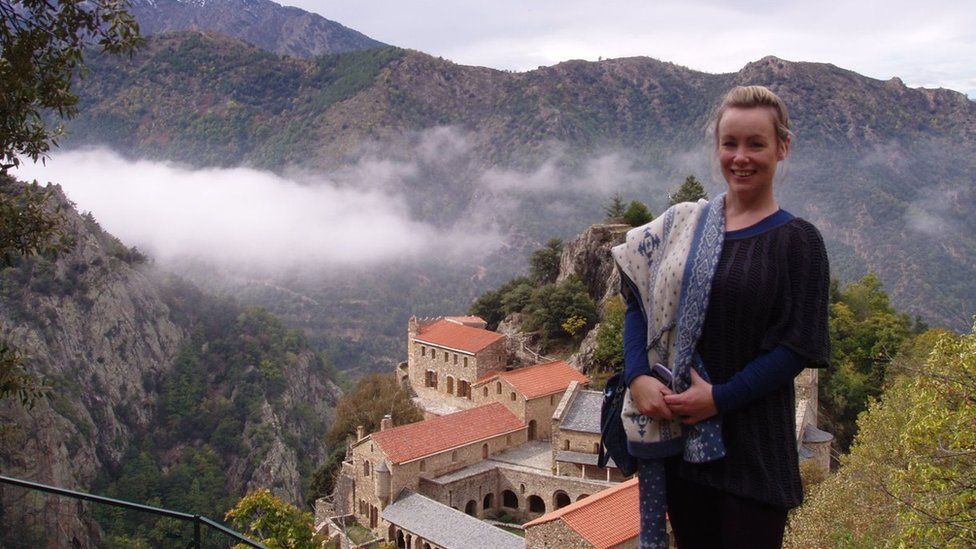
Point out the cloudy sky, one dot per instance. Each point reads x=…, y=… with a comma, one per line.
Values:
x=930, y=44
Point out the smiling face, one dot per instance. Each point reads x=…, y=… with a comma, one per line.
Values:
x=748, y=150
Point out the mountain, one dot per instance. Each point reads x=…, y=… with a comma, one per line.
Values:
x=885, y=171
x=155, y=391
x=281, y=29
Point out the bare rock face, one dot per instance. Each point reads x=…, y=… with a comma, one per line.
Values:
x=582, y=359
x=588, y=258
x=98, y=328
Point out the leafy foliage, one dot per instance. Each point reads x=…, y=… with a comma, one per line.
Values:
x=637, y=214
x=275, y=523
x=43, y=45
x=544, y=262
x=913, y=462
x=689, y=191
x=865, y=333
x=553, y=304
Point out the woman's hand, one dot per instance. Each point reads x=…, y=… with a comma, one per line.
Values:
x=695, y=404
x=648, y=394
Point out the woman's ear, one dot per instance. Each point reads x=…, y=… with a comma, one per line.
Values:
x=784, y=149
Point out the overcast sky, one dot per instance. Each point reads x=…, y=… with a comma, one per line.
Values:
x=930, y=44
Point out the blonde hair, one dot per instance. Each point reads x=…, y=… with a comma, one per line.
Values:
x=751, y=97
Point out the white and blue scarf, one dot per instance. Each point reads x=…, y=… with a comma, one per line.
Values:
x=670, y=263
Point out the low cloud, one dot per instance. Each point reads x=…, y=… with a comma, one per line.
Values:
x=250, y=218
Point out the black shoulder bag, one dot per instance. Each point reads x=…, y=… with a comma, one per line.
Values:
x=613, y=438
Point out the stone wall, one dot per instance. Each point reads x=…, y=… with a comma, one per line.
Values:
x=451, y=370
x=366, y=455
x=554, y=534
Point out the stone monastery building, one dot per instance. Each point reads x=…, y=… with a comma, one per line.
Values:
x=500, y=441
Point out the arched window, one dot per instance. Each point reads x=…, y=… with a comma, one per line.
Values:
x=366, y=468
x=488, y=502
x=582, y=496
x=536, y=505
x=423, y=351
x=498, y=387
x=453, y=455
x=465, y=362
x=484, y=451
x=560, y=499
x=513, y=396
x=485, y=392
x=521, y=488
x=566, y=444
x=455, y=358
x=423, y=465
x=471, y=508
x=445, y=356
x=509, y=499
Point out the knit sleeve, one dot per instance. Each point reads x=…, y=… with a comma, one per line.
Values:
x=803, y=329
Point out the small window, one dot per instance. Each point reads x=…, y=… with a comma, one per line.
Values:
x=552, y=399
x=453, y=455
x=455, y=358
x=508, y=440
x=485, y=391
x=596, y=447
x=566, y=444
x=366, y=468
x=445, y=356
x=423, y=351
x=465, y=362
x=498, y=387
x=423, y=465
x=513, y=396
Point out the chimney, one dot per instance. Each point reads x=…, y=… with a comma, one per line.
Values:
x=360, y=433
x=386, y=422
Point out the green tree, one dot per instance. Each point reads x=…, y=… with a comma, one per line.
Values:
x=865, y=333
x=609, y=352
x=42, y=45
x=637, y=214
x=374, y=396
x=553, y=304
x=913, y=463
x=615, y=208
x=544, y=262
x=277, y=524
x=689, y=191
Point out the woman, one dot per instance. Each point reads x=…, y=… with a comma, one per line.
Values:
x=749, y=296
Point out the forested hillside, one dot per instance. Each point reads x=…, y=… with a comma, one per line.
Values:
x=150, y=389
x=883, y=170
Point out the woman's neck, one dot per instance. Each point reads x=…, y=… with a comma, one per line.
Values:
x=745, y=211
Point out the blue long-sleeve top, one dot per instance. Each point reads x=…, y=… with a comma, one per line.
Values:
x=761, y=376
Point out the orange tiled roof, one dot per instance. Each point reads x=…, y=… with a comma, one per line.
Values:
x=541, y=379
x=423, y=438
x=445, y=333
x=604, y=519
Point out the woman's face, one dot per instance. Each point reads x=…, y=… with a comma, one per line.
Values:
x=748, y=149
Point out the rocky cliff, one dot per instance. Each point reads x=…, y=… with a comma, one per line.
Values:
x=139, y=362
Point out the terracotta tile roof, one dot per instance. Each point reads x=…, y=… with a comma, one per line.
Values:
x=473, y=321
x=452, y=335
x=604, y=519
x=541, y=379
x=423, y=438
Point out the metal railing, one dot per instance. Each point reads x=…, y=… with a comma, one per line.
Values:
x=198, y=522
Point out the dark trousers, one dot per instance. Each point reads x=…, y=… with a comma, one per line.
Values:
x=706, y=518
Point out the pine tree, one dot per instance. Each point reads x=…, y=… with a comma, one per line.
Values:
x=689, y=191
x=615, y=208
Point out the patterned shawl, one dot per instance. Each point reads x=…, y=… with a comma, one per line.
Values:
x=668, y=264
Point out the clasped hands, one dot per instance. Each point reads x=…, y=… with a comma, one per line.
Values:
x=656, y=400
